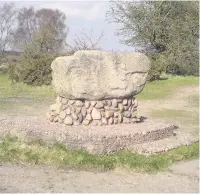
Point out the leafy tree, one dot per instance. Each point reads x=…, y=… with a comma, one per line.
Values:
x=41, y=36
x=170, y=28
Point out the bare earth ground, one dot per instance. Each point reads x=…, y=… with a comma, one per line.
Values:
x=50, y=179
x=177, y=108
x=182, y=177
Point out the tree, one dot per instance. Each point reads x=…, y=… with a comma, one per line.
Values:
x=45, y=26
x=26, y=27
x=171, y=28
x=52, y=29
x=41, y=36
x=7, y=18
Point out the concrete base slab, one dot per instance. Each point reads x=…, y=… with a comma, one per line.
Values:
x=94, y=139
x=163, y=145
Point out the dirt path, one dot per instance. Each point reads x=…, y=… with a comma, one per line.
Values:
x=51, y=179
x=179, y=100
x=180, y=108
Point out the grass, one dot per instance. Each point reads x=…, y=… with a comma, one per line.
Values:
x=37, y=152
x=186, y=116
x=14, y=90
x=169, y=113
x=162, y=88
x=153, y=90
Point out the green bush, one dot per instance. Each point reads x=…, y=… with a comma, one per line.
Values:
x=183, y=63
x=158, y=65
x=34, y=67
x=3, y=68
x=5, y=62
x=173, y=63
x=13, y=71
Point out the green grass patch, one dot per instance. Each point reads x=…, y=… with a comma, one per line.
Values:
x=162, y=88
x=185, y=116
x=9, y=89
x=37, y=152
x=169, y=113
x=153, y=90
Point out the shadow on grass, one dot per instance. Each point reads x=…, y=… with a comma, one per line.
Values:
x=160, y=79
x=163, y=78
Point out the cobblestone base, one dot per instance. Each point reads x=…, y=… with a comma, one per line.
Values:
x=104, y=112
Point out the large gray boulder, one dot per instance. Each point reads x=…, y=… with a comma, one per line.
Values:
x=96, y=75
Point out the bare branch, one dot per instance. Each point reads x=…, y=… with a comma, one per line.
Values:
x=7, y=18
x=86, y=42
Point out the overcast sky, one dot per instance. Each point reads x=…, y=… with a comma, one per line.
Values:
x=85, y=15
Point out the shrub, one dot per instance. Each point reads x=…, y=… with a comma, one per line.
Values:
x=13, y=71
x=183, y=63
x=3, y=68
x=6, y=60
x=34, y=67
x=173, y=63
x=158, y=65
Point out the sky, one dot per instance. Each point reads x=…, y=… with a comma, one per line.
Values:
x=84, y=15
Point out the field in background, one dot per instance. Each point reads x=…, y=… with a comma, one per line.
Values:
x=153, y=90
x=21, y=90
